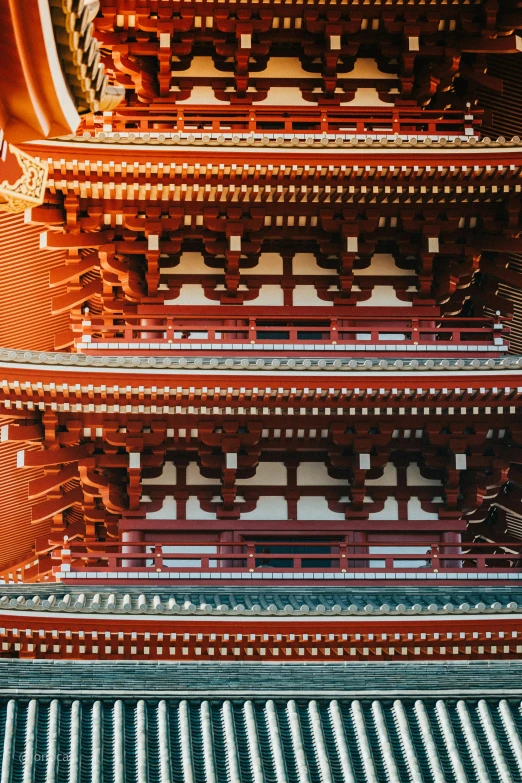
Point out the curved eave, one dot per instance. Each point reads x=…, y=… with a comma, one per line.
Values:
x=35, y=99
x=114, y=147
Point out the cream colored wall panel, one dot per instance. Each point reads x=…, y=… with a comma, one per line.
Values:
x=384, y=264
x=194, y=510
x=268, y=473
x=269, y=264
x=284, y=96
x=191, y=264
x=306, y=264
x=191, y=294
x=306, y=296
x=315, y=507
x=384, y=296
x=168, y=476
x=316, y=474
x=414, y=478
x=415, y=510
x=194, y=476
x=202, y=95
x=269, y=296
x=367, y=96
x=390, y=510
x=388, y=478
x=167, y=511
x=268, y=507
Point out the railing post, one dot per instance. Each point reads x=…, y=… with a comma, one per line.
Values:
x=343, y=557
x=415, y=334
x=333, y=330
x=65, y=555
x=251, y=552
x=324, y=122
x=158, y=557
x=252, y=330
x=170, y=330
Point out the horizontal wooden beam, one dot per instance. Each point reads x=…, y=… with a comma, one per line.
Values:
x=48, y=508
x=40, y=459
x=283, y=527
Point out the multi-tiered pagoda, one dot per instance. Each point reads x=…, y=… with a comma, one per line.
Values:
x=261, y=391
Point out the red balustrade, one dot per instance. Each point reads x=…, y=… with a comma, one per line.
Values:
x=215, y=328
x=189, y=559
x=293, y=120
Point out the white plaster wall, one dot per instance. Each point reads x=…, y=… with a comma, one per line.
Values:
x=414, y=478
x=316, y=474
x=191, y=264
x=168, y=476
x=416, y=512
x=201, y=66
x=269, y=296
x=194, y=510
x=194, y=475
x=306, y=296
x=367, y=96
x=388, y=478
x=383, y=264
x=267, y=473
x=201, y=95
x=367, y=68
x=191, y=294
x=284, y=96
x=390, y=510
x=289, y=67
x=286, y=67
x=383, y=296
x=306, y=264
x=268, y=507
x=168, y=511
x=315, y=508
x=268, y=264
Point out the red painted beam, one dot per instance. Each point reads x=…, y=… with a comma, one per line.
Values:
x=318, y=527
x=40, y=459
x=48, y=508
x=40, y=486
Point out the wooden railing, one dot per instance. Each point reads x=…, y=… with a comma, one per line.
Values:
x=211, y=328
x=293, y=120
x=189, y=556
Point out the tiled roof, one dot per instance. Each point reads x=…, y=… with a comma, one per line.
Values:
x=257, y=741
x=220, y=679
x=238, y=363
x=318, y=141
x=264, y=602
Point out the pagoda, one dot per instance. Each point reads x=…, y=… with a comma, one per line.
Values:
x=261, y=391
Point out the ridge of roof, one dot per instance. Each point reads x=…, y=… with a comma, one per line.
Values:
x=381, y=679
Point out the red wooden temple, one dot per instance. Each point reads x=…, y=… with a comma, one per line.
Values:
x=261, y=380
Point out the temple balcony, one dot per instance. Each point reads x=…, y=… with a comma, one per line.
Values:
x=281, y=561
x=347, y=122
x=277, y=330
